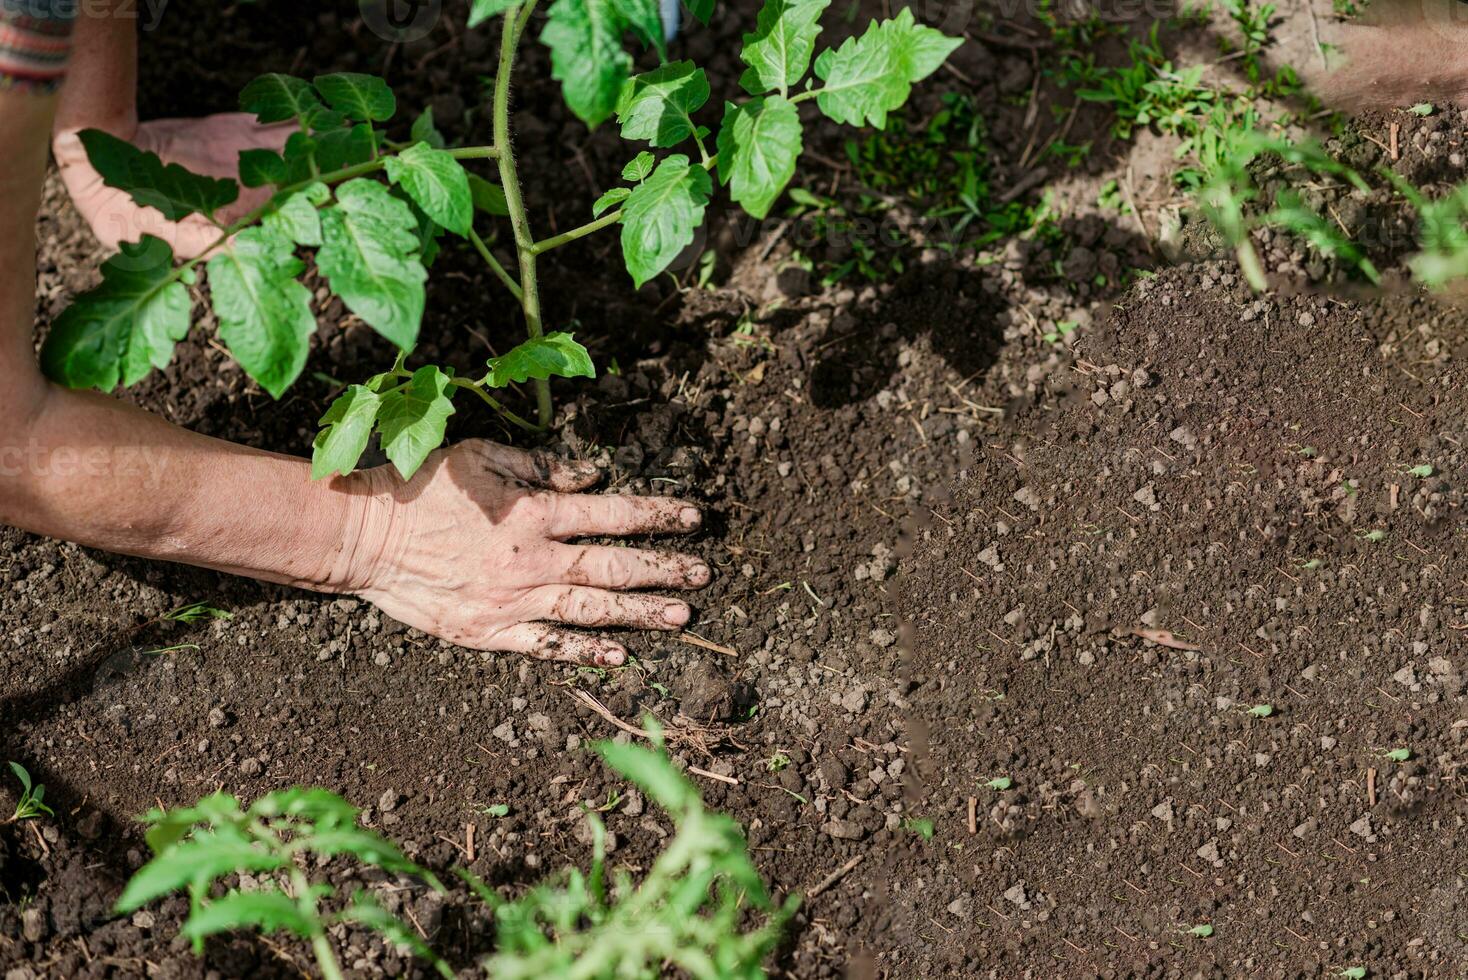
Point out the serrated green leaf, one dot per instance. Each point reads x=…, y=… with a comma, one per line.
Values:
x=437, y=182
x=488, y=197
x=365, y=911
x=759, y=145
x=869, y=76
x=201, y=858
x=555, y=355
x=123, y=328
x=365, y=98
x=646, y=20
x=344, y=147
x=639, y=167
x=412, y=420
x=920, y=50
x=424, y=130
x=171, y=189
x=309, y=802
x=168, y=826
x=483, y=10
x=661, y=216
x=275, y=98
x=262, y=168
x=264, y=910
x=778, y=51
x=369, y=255
x=653, y=773
x=348, y=427
x=610, y=200
x=363, y=845
x=658, y=106
x=585, y=41
x=295, y=219
x=265, y=316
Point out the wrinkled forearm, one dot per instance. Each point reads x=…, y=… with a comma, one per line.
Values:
x=89, y=469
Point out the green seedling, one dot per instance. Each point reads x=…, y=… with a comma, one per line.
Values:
x=1202, y=931
x=1312, y=564
x=195, y=847
x=691, y=913
x=1423, y=471
x=1422, y=109
x=1261, y=710
x=370, y=207
x=921, y=826
x=778, y=762
x=32, y=798
x=1374, y=537
x=1397, y=755
x=999, y=783
x=495, y=810
x=1352, y=973
x=195, y=612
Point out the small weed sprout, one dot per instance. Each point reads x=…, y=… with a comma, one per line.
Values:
x=922, y=826
x=1374, y=537
x=494, y=809
x=1261, y=710
x=32, y=798
x=195, y=612
x=778, y=762
x=1000, y=783
x=1352, y=973
x=1201, y=931
x=1397, y=755
x=1422, y=472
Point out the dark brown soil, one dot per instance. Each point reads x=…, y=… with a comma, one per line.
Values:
x=1232, y=471
x=815, y=422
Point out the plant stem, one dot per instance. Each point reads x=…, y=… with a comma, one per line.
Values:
x=320, y=944
x=540, y=248
x=497, y=405
x=516, y=19
x=494, y=265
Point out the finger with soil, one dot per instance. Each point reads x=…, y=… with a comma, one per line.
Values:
x=536, y=467
x=550, y=643
x=595, y=515
x=604, y=567
x=598, y=608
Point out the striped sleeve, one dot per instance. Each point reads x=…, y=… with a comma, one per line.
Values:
x=35, y=42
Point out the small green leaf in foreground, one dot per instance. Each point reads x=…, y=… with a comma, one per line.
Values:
x=265, y=316
x=778, y=52
x=171, y=189
x=365, y=98
x=759, y=145
x=412, y=420
x=555, y=355
x=585, y=41
x=658, y=106
x=348, y=427
x=276, y=98
x=437, y=183
x=370, y=259
x=661, y=216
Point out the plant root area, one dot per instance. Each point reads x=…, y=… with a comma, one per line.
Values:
x=956, y=548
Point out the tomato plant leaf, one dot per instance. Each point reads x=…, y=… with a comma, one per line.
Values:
x=171, y=189
x=610, y=200
x=365, y=98
x=412, y=420
x=295, y=219
x=348, y=427
x=369, y=255
x=437, y=182
x=654, y=774
x=658, y=106
x=265, y=910
x=778, y=52
x=345, y=146
x=488, y=197
x=702, y=9
x=585, y=41
x=555, y=355
x=123, y=328
x=365, y=911
x=483, y=10
x=424, y=130
x=203, y=857
x=275, y=98
x=265, y=316
x=920, y=50
x=639, y=167
x=646, y=20
x=311, y=802
x=759, y=144
x=262, y=168
x=661, y=215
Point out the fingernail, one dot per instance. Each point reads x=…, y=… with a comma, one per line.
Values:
x=700, y=574
x=611, y=658
x=690, y=517
x=675, y=615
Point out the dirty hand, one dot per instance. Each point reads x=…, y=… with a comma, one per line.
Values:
x=210, y=145
x=473, y=549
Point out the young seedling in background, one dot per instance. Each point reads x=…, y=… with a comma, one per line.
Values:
x=1201, y=931
x=1397, y=755
x=196, y=846
x=1352, y=973
x=1000, y=783
x=778, y=762
x=32, y=799
x=1421, y=472
x=371, y=210
x=1261, y=711
x=195, y=612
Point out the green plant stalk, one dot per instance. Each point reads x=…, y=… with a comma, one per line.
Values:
x=320, y=944
x=516, y=17
x=494, y=265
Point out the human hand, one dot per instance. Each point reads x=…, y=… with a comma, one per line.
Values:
x=470, y=551
x=209, y=145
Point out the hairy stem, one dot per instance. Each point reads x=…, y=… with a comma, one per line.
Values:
x=494, y=265
x=320, y=944
x=516, y=18
x=540, y=248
